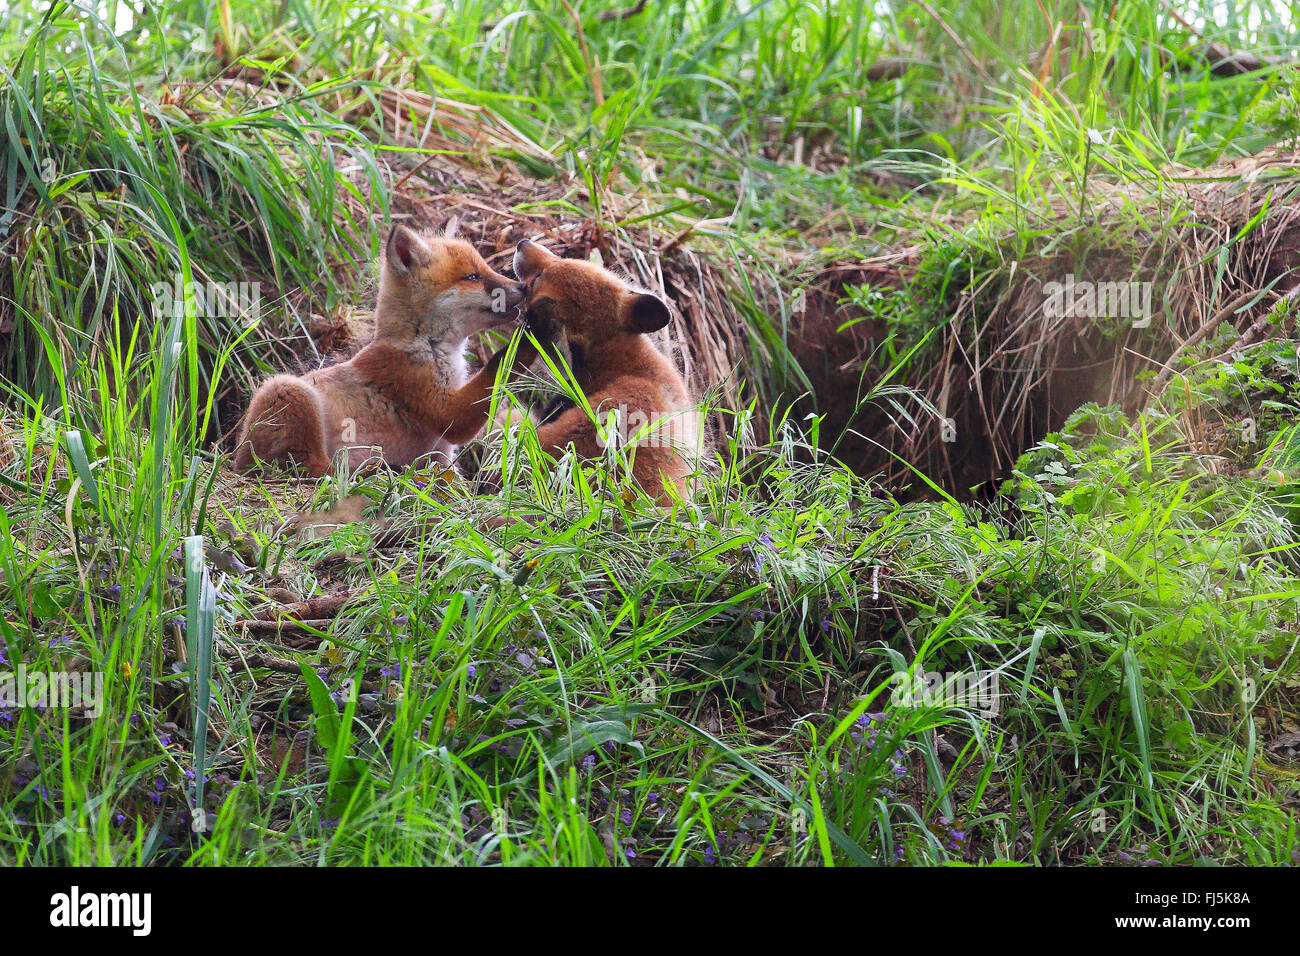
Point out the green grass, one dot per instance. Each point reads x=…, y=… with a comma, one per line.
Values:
x=606, y=682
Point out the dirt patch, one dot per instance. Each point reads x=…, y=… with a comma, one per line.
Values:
x=1007, y=364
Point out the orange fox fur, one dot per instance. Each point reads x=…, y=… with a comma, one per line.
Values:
x=408, y=392
x=605, y=322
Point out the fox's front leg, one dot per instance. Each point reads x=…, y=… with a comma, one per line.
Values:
x=467, y=409
x=284, y=423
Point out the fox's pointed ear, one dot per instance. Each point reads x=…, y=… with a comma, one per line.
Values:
x=531, y=258
x=406, y=250
x=449, y=227
x=644, y=312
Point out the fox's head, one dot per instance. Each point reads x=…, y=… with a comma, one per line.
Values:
x=591, y=305
x=437, y=287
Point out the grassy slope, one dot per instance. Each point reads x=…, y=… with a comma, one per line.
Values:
x=609, y=683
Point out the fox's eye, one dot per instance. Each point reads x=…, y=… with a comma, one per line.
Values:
x=472, y=277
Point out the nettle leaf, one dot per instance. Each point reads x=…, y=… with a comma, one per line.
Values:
x=586, y=737
x=322, y=705
x=347, y=770
x=45, y=603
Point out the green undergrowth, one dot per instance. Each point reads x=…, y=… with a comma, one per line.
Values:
x=602, y=681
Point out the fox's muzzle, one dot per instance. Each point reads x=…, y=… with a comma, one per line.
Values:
x=508, y=293
x=530, y=258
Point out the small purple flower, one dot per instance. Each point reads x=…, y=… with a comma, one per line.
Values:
x=119, y=819
x=630, y=853
x=826, y=624
x=160, y=784
x=899, y=854
x=626, y=817
x=391, y=672
x=588, y=763
x=4, y=657
x=472, y=671
x=115, y=590
x=900, y=770
x=653, y=797
x=165, y=740
x=710, y=855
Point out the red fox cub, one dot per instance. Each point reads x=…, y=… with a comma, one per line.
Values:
x=407, y=392
x=606, y=322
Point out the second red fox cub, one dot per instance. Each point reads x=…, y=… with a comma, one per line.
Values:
x=407, y=392
x=605, y=322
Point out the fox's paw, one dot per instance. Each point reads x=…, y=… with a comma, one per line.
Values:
x=540, y=321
